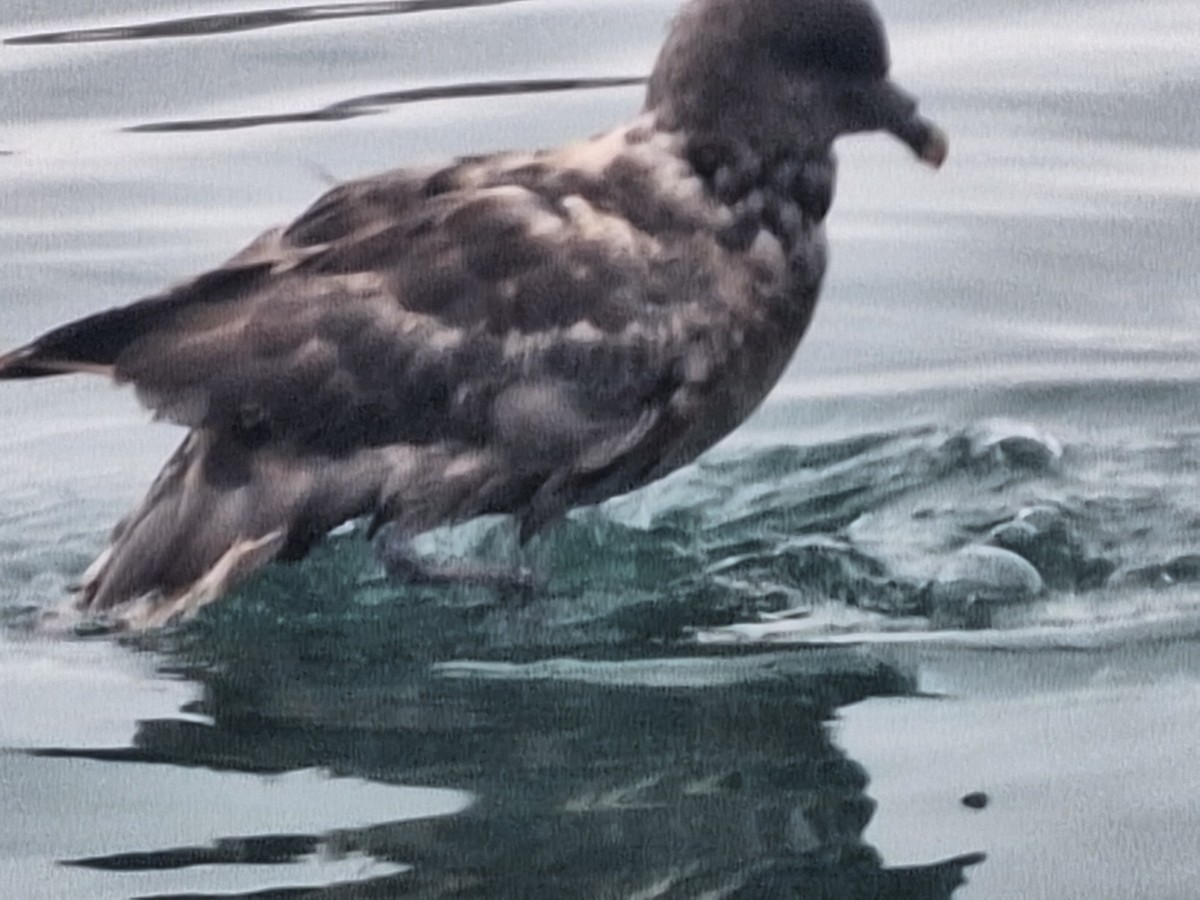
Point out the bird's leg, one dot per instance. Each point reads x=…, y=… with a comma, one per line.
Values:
x=404, y=564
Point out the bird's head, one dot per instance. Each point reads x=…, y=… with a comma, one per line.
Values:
x=781, y=73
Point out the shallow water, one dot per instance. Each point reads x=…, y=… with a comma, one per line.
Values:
x=986, y=449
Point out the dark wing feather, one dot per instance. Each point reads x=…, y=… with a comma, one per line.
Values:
x=425, y=308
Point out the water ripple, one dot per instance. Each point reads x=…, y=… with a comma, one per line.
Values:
x=371, y=104
x=226, y=23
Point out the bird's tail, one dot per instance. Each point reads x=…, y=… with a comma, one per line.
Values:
x=203, y=526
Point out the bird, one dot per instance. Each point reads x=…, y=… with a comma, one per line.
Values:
x=519, y=333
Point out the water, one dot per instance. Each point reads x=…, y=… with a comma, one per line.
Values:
x=978, y=480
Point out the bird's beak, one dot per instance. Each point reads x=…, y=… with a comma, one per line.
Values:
x=924, y=138
x=885, y=106
x=899, y=115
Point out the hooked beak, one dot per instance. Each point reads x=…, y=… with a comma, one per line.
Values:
x=926, y=140
x=884, y=106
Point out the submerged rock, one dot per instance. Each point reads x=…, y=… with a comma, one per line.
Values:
x=1046, y=537
x=1011, y=444
x=975, y=800
x=976, y=580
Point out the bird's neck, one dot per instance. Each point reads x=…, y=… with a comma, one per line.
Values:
x=785, y=192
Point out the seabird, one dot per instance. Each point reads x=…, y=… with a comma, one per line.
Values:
x=519, y=333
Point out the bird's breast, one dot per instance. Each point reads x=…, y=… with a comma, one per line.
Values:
x=774, y=240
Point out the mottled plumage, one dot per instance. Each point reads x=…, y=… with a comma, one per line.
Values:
x=518, y=333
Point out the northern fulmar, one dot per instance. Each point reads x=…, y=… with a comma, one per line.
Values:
x=519, y=333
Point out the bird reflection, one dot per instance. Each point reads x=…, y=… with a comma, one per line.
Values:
x=715, y=778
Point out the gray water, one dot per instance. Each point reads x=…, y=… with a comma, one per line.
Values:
x=987, y=445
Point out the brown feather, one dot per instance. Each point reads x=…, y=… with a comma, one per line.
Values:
x=517, y=333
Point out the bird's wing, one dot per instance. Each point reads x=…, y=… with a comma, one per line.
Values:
x=485, y=303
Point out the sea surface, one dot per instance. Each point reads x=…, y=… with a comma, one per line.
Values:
x=932, y=614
